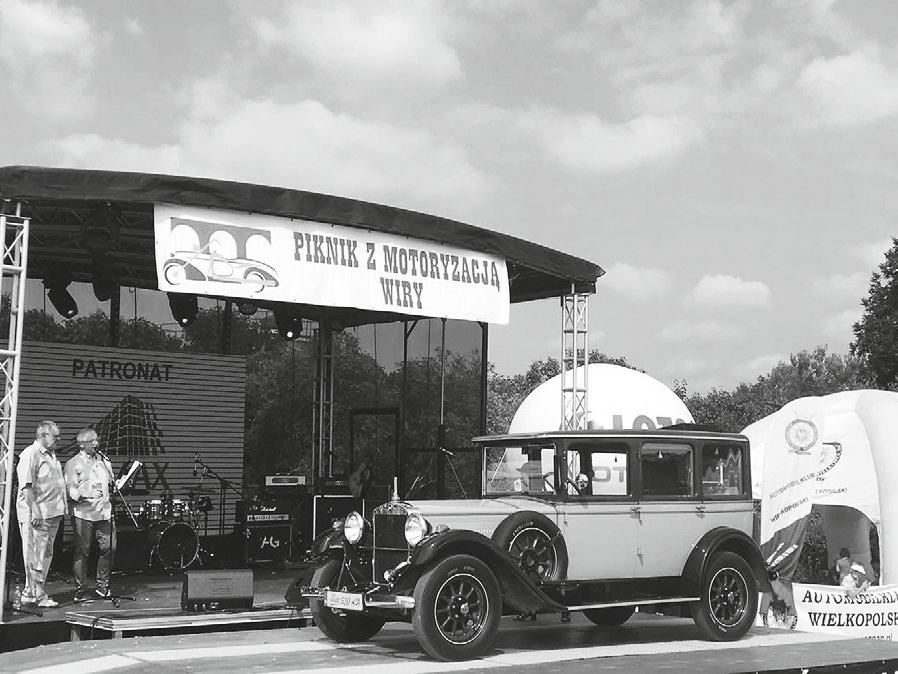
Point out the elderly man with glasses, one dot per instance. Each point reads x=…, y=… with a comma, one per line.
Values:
x=40, y=506
x=88, y=475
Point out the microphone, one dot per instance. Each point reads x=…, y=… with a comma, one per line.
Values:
x=195, y=458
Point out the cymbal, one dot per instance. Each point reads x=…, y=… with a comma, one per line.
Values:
x=202, y=490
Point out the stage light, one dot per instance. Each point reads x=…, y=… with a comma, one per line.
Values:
x=63, y=302
x=56, y=280
x=246, y=307
x=184, y=308
x=105, y=282
x=288, y=322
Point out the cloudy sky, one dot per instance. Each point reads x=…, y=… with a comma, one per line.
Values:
x=732, y=165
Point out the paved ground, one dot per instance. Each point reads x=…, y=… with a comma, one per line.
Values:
x=645, y=643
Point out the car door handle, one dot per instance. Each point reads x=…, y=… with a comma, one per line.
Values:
x=637, y=510
x=700, y=509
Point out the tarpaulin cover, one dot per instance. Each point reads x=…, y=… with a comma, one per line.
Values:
x=555, y=272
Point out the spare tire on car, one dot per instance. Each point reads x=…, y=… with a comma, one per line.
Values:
x=535, y=543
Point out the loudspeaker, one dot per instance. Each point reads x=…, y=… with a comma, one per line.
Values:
x=217, y=590
x=267, y=542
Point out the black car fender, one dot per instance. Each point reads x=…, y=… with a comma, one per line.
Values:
x=518, y=591
x=722, y=539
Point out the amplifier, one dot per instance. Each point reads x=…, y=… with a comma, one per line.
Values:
x=217, y=590
x=285, y=480
x=266, y=542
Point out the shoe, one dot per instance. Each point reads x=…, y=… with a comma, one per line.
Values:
x=48, y=602
x=28, y=599
x=103, y=593
x=81, y=595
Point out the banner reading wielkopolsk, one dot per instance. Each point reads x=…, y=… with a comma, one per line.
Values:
x=216, y=252
x=826, y=608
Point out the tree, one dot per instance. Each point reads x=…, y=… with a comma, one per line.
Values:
x=807, y=373
x=876, y=334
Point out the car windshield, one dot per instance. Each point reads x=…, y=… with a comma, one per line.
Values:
x=519, y=470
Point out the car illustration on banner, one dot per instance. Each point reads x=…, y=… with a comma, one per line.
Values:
x=204, y=266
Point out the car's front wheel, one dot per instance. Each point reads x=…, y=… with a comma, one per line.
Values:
x=611, y=616
x=729, y=598
x=457, y=608
x=341, y=626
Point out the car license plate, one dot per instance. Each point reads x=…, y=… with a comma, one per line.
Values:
x=348, y=601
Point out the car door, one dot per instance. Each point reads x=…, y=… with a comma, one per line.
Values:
x=669, y=515
x=596, y=515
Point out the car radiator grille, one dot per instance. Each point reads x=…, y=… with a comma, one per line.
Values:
x=390, y=547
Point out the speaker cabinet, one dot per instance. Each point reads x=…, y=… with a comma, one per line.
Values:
x=267, y=542
x=217, y=590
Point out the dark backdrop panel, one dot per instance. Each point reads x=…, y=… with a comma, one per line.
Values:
x=159, y=408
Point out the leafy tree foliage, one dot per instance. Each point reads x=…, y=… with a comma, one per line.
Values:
x=807, y=373
x=876, y=334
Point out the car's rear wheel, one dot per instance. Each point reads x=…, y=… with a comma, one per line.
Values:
x=457, y=608
x=729, y=598
x=341, y=626
x=536, y=545
x=611, y=616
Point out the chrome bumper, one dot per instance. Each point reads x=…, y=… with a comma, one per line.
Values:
x=369, y=599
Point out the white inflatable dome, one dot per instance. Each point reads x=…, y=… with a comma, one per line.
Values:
x=618, y=398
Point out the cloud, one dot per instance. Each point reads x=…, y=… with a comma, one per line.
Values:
x=840, y=288
x=850, y=89
x=366, y=44
x=698, y=331
x=720, y=291
x=46, y=51
x=872, y=254
x=841, y=325
x=303, y=145
x=585, y=142
x=761, y=365
x=637, y=283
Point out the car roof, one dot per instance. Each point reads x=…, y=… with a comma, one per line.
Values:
x=602, y=433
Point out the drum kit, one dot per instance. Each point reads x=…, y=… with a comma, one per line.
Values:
x=171, y=528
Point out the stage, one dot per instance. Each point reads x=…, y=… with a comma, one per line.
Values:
x=155, y=609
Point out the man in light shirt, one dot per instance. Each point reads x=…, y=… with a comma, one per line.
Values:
x=40, y=505
x=88, y=476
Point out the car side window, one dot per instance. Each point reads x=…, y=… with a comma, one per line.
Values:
x=722, y=469
x=592, y=470
x=666, y=469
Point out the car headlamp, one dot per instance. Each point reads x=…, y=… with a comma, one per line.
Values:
x=354, y=527
x=416, y=528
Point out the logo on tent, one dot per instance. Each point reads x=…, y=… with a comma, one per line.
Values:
x=801, y=434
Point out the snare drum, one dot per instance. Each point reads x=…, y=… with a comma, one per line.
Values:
x=152, y=511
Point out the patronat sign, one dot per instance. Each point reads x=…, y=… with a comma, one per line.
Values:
x=98, y=368
x=253, y=256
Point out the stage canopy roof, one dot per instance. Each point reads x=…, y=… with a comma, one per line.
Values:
x=81, y=216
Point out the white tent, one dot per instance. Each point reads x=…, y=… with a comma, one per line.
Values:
x=618, y=397
x=840, y=453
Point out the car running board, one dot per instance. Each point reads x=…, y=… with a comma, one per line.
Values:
x=640, y=602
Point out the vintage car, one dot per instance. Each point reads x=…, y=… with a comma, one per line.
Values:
x=201, y=266
x=600, y=522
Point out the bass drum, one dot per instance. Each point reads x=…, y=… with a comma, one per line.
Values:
x=173, y=545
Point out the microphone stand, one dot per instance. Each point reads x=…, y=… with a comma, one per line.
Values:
x=223, y=484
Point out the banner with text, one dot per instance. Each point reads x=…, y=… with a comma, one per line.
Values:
x=827, y=608
x=245, y=255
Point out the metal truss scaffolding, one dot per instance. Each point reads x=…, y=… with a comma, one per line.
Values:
x=574, y=355
x=322, y=419
x=14, y=241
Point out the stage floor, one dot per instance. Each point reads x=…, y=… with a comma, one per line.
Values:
x=646, y=643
